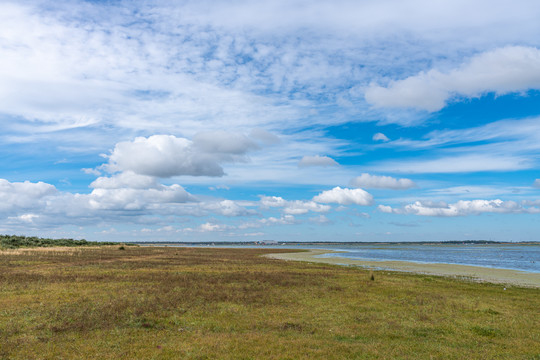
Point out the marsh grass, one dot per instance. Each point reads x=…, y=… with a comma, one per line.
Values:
x=203, y=303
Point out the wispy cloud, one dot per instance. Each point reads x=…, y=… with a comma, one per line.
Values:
x=502, y=71
x=459, y=163
x=506, y=145
x=317, y=160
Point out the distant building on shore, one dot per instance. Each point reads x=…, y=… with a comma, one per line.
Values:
x=266, y=242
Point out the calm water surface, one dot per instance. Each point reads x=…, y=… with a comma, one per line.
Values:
x=501, y=256
x=517, y=257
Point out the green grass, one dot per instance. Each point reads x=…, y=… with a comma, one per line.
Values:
x=203, y=303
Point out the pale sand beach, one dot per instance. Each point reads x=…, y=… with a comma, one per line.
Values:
x=475, y=273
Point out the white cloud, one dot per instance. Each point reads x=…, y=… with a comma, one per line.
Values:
x=174, y=69
x=28, y=218
x=273, y=201
x=460, y=208
x=380, y=137
x=317, y=160
x=126, y=179
x=459, y=163
x=91, y=171
x=264, y=136
x=78, y=77
x=321, y=219
x=131, y=191
x=294, y=207
x=167, y=155
x=161, y=156
x=226, y=208
x=253, y=234
x=536, y=183
x=137, y=199
x=345, y=196
x=381, y=182
x=474, y=191
x=210, y=227
x=298, y=207
x=42, y=203
x=24, y=195
x=219, y=187
x=167, y=228
x=502, y=71
x=511, y=144
x=385, y=209
x=223, y=143
x=518, y=133
x=283, y=220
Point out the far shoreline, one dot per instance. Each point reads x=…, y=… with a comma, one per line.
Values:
x=473, y=273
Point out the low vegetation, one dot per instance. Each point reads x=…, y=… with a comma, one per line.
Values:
x=206, y=303
x=15, y=242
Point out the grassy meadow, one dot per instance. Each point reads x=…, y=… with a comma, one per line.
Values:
x=205, y=303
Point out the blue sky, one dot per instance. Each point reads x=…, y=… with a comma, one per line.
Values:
x=287, y=120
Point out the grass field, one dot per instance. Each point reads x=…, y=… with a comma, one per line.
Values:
x=205, y=303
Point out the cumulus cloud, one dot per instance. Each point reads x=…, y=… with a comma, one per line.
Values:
x=137, y=199
x=227, y=208
x=381, y=182
x=317, y=160
x=283, y=220
x=294, y=207
x=167, y=155
x=40, y=202
x=27, y=218
x=502, y=71
x=460, y=208
x=209, y=227
x=536, y=183
x=126, y=179
x=380, y=137
x=24, y=195
x=345, y=196
x=161, y=156
x=131, y=191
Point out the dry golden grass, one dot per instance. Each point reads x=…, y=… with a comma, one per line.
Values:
x=204, y=303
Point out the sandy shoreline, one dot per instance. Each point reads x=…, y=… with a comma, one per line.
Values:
x=476, y=273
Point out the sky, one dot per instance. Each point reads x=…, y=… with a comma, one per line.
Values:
x=387, y=120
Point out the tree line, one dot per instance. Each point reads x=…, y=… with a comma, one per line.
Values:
x=17, y=241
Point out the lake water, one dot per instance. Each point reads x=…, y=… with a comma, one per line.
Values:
x=511, y=256
x=501, y=256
